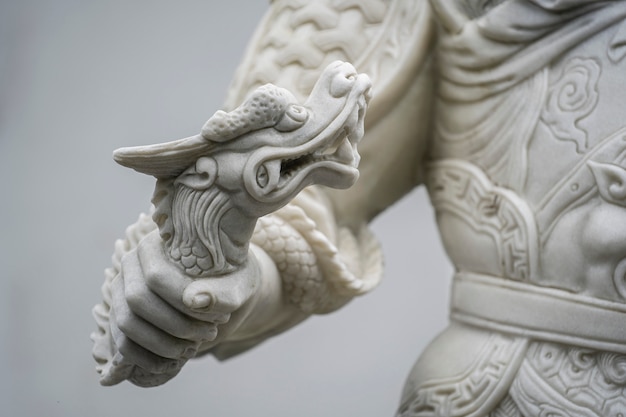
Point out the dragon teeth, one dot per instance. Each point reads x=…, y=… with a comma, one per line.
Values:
x=344, y=151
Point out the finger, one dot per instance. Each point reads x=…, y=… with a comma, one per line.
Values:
x=143, y=333
x=139, y=356
x=167, y=281
x=205, y=295
x=143, y=378
x=161, y=276
x=147, y=305
x=199, y=297
x=116, y=370
x=225, y=294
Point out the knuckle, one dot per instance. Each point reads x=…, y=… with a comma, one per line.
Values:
x=123, y=345
x=151, y=275
x=219, y=317
x=207, y=331
x=125, y=323
x=227, y=306
x=239, y=293
x=210, y=334
x=135, y=293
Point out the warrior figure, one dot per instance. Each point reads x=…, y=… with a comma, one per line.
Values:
x=510, y=113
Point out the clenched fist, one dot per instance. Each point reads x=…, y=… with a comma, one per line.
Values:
x=160, y=317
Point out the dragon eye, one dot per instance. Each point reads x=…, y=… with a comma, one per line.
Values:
x=262, y=176
x=296, y=112
x=342, y=84
x=293, y=118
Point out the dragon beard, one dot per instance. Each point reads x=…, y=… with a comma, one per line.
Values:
x=189, y=224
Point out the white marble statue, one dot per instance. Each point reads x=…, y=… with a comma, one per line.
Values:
x=211, y=190
x=510, y=112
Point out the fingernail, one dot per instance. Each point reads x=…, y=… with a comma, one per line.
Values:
x=211, y=334
x=201, y=301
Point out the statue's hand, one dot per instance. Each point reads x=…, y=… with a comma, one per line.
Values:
x=160, y=316
x=211, y=189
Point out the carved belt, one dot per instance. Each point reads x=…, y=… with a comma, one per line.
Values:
x=540, y=313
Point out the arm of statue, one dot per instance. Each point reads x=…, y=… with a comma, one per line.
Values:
x=165, y=303
x=196, y=280
x=160, y=317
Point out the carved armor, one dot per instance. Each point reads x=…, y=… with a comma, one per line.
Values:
x=524, y=165
x=526, y=174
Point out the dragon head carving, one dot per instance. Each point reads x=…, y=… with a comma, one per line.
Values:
x=271, y=147
x=251, y=161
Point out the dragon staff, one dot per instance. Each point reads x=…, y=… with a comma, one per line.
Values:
x=213, y=187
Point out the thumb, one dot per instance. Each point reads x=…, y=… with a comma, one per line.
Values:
x=209, y=297
x=224, y=294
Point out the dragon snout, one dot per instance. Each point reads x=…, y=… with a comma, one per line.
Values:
x=323, y=150
x=344, y=80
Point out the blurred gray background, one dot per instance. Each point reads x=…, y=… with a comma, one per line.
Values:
x=81, y=78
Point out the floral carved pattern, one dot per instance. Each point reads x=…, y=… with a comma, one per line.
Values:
x=571, y=98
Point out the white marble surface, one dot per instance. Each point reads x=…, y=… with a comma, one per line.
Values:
x=79, y=79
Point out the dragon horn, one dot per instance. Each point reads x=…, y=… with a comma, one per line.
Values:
x=164, y=160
